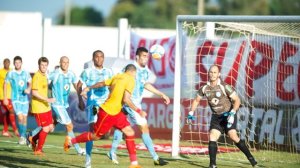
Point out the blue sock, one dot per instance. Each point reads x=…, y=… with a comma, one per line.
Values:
x=116, y=141
x=149, y=144
x=22, y=130
x=76, y=146
x=35, y=131
x=88, y=148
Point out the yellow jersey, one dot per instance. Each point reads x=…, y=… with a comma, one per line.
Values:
x=118, y=84
x=3, y=73
x=40, y=83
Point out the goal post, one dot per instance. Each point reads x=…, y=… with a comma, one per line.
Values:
x=259, y=56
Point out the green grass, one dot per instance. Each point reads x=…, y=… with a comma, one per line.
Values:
x=14, y=155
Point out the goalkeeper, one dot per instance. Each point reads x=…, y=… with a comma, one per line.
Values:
x=224, y=103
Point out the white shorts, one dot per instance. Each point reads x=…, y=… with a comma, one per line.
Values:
x=61, y=115
x=20, y=107
x=134, y=117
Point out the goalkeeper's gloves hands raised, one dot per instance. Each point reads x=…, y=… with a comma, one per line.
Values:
x=190, y=117
x=230, y=118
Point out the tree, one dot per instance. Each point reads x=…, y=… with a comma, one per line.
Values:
x=87, y=16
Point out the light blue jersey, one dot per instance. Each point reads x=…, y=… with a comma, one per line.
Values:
x=61, y=86
x=142, y=77
x=95, y=97
x=89, y=77
x=19, y=82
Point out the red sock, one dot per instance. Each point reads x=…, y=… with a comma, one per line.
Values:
x=84, y=137
x=131, y=148
x=42, y=139
x=5, y=123
x=13, y=121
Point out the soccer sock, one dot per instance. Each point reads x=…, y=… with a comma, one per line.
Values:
x=35, y=131
x=118, y=135
x=131, y=149
x=242, y=146
x=22, y=130
x=88, y=148
x=13, y=121
x=42, y=139
x=84, y=137
x=149, y=144
x=5, y=123
x=76, y=146
x=212, y=150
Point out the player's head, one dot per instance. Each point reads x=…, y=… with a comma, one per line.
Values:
x=142, y=56
x=130, y=69
x=214, y=73
x=6, y=63
x=98, y=58
x=64, y=63
x=43, y=64
x=18, y=62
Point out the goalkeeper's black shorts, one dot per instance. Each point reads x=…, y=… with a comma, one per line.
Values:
x=219, y=122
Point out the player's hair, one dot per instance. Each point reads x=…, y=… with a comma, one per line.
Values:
x=98, y=51
x=130, y=67
x=43, y=59
x=6, y=59
x=17, y=58
x=215, y=65
x=140, y=49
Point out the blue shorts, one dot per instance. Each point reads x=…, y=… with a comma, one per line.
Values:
x=20, y=107
x=134, y=117
x=61, y=115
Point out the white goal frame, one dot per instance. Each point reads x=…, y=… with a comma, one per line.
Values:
x=179, y=51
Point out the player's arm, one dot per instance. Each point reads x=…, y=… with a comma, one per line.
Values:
x=5, y=100
x=127, y=100
x=81, y=104
x=195, y=104
x=236, y=101
x=96, y=85
x=28, y=89
x=36, y=94
x=152, y=89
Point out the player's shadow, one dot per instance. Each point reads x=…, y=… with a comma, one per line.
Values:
x=15, y=161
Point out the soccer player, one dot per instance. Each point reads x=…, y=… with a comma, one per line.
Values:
x=224, y=103
x=20, y=82
x=95, y=97
x=110, y=114
x=142, y=82
x=40, y=106
x=7, y=110
x=61, y=79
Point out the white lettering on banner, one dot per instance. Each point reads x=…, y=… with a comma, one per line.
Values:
x=243, y=115
x=268, y=124
x=279, y=138
x=296, y=129
x=169, y=116
x=161, y=115
x=257, y=114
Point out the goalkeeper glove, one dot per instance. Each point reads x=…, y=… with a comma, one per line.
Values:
x=190, y=117
x=230, y=118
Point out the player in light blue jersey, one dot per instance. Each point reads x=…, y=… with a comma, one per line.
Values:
x=95, y=97
x=20, y=81
x=61, y=80
x=142, y=82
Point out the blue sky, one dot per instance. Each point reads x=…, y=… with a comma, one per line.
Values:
x=51, y=8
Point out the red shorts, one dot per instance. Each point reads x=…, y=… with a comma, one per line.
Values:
x=44, y=119
x=105, y=122
x=7, y=108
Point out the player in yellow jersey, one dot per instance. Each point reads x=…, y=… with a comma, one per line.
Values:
x=110, y=112
x=40, y=106
x=6, y=110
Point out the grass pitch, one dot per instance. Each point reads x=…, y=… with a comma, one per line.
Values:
x=14, y=155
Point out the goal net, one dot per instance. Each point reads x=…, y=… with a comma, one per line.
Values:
x=259, y=57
